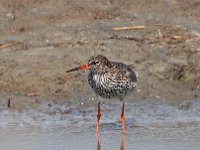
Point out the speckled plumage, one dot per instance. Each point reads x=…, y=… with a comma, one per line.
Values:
x=111, y=79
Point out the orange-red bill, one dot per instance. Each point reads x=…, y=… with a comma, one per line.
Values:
x=84, y=67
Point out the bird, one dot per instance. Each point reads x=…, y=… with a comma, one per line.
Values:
x=109, y=80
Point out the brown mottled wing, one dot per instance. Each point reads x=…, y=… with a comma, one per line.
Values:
x=121, y=77
x=125, y=71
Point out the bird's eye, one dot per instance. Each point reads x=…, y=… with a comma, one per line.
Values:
x=96, y=62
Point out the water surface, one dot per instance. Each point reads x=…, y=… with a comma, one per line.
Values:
x=149, y=126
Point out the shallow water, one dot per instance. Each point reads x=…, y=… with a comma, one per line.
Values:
x=149, y=126
x=139, y=138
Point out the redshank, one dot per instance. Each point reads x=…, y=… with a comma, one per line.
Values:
x=109, y=79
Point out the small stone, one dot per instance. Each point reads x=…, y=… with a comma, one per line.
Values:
x=10, y=16
x=198, y=49
x=47, y=41
x=158, y=97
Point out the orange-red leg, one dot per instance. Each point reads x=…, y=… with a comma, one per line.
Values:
x=122, y=118
x=98, y=116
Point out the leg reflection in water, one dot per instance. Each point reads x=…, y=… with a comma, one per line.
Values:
x=98, y=141
x=122, y=141
x=99, y=144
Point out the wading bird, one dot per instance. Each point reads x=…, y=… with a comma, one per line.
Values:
x=109, y=79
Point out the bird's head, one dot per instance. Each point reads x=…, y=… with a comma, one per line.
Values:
x=95, y=62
